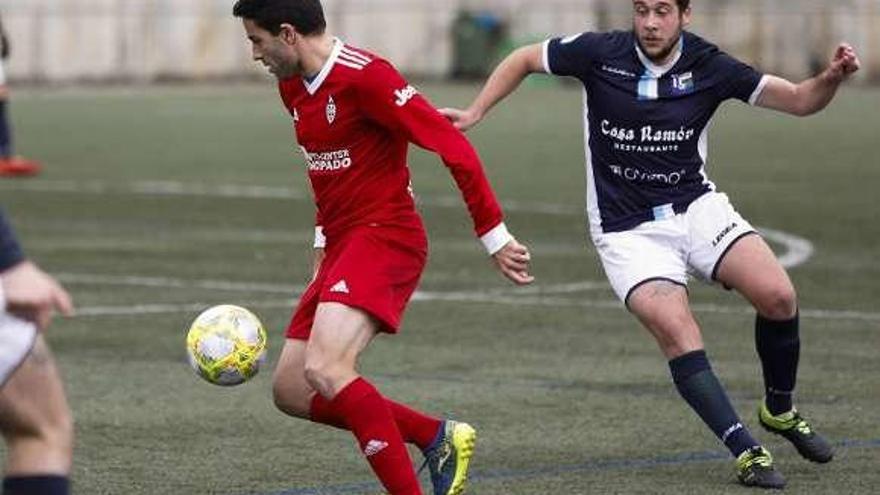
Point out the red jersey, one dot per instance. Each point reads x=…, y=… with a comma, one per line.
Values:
x=354, y=122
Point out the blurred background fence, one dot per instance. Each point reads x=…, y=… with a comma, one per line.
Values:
x=153, y=40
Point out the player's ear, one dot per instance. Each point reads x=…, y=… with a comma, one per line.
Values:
x=288, y=34
x=686, y=17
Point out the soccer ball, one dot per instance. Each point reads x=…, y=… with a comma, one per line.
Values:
x=226, y=345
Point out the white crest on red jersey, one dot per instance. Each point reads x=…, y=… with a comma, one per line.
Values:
x=331, y=110
x=295, y=116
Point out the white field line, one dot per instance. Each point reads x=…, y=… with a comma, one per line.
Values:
x=227, y=285
x=157, y=188
x=242, y=191
x=175, y=283
x=797, y=250
x=152, y=309
x=531, y=296
x=64, y=238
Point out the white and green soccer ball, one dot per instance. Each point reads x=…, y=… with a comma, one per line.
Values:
x=226, y=345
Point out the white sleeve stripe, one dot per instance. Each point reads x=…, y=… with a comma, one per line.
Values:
x=546, y=57
x=348, y=58
x=757, y=93
x=320, y=240
x=342, y=61
x=496, y=238
x=355, y=55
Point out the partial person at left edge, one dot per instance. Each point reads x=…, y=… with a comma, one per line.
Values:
x=35, y=420
x=11, y=165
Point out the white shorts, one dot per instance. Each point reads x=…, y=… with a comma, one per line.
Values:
x=17, y=338
x=693, y=242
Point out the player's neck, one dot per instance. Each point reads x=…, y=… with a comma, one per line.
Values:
x=667, y=57
x=314, y=52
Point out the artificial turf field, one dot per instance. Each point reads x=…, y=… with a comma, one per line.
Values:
x=156, y=203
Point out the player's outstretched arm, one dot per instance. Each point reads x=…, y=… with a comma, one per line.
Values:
x=33, y=295
x=815, y=93
x=503, y=81
x=513, y=262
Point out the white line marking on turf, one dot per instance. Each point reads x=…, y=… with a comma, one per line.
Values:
x=158, y=188
x=225, y=285
x=531, y=296
x=151, y=309
x=797, y=250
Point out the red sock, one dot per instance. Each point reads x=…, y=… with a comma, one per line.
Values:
x=368, y=416
x=322, y=412
x=416, y=428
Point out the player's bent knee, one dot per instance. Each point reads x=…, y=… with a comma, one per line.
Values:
x=60, y=435
x=326, y=377
x=321, y=379
x=58, y=430
x=778, y=304
x=54, y=434
x=676, y=334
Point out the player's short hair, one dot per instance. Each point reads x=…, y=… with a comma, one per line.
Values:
x=683, y=5
x=307, y=16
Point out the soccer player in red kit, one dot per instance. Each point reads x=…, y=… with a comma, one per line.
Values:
x=354, y=117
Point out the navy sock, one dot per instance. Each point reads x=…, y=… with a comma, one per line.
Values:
x=5, y=132
x=698, y=385
x=36, y=485
x=779, y=347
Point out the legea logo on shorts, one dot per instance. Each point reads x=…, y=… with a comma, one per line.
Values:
x=721, y=235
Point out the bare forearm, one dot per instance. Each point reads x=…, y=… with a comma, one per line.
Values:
x=816, y=93
x=505, y=79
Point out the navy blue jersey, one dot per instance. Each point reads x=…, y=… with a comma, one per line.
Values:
x=10, y=251
x=646, y=126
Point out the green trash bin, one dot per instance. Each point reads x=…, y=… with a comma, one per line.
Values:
x=477, y=37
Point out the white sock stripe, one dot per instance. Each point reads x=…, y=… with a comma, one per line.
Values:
x=730, y=431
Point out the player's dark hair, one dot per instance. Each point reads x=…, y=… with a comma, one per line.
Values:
x=307, y=16
x=683, y=5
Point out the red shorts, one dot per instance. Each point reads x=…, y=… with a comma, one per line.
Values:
x=375, y=269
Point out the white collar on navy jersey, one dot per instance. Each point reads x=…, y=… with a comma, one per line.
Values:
x=658, y=70
x=312, y=87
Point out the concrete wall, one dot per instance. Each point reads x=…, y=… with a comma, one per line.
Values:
x=146, y=40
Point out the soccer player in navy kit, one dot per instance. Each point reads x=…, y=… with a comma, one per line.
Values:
x=35, y=420
x=354, y=116
x=655, y=216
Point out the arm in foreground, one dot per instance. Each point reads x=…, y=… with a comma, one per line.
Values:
x=814, y=94
x=504, y=80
